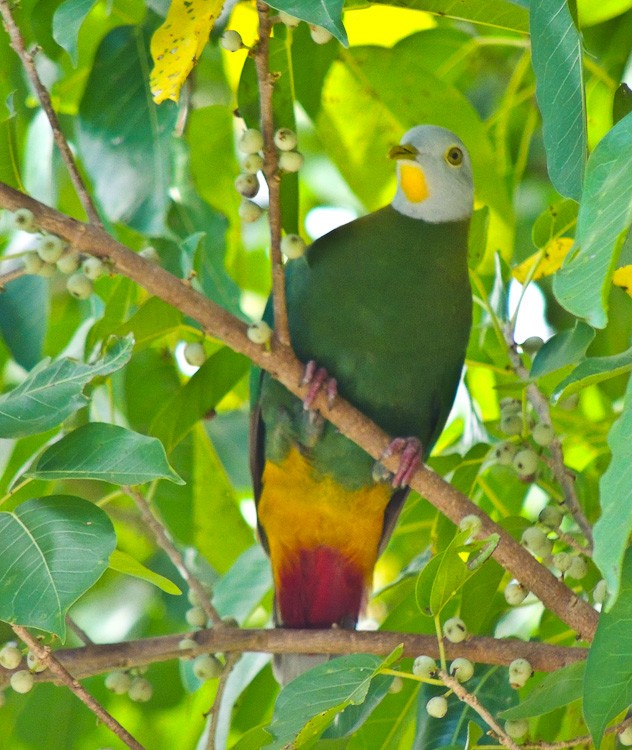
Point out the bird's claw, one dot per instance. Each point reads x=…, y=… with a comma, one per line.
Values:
x=316, y=377
x=410, y=454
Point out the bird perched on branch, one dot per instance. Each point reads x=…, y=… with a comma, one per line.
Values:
x=383, y=306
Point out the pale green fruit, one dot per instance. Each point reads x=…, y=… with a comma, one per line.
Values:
x=600, y=592
x=206, y=667
x=249, y=212
x=24, y=220
x=140, y=691
x=536, y=541
x=68, y=263
x=118, y=682
x=515, y=593
x=252, y=163
x=505, y=452
x=195, y=355
x=525, y=462
x=462, y=669
x=543, y=434
x=551, y=517
x=517, y=728
x=259, y=333
x=247, y=184
x=93, y=268
x=34, y=663
x=319, y=35
x=33, y=263
x=510, y=405
x=50, y=248
x=231, y=40
x=471, y=523
x=293, y=246
x=511, y=424
x=455, y=630
x=22, y=681
x=424, y=666
x=437, y=707
x=79, y=286
x=519, y=672
x=625, y=738
x=285, y=139
x=10, y=655
x=578, y=568
x=290, y=21
x=196, y=617
x=250, y=141
x=47, y=270
x=290, y=161
x=562, y=561
x=532, y=345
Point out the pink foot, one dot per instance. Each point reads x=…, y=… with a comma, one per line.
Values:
x=410, y=453
x=316, y=377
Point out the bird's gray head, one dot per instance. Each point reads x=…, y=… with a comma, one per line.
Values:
x=434, y=175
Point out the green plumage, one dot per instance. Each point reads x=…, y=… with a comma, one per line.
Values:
x=384, y=304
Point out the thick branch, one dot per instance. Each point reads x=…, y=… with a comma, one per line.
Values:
x=281, y=363
x=17, y=42
x=57, y=667
x=94, y=658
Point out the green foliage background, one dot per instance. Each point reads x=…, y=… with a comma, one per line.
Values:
x=531, y=89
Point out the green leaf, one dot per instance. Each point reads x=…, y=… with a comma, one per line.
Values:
x=613, y=528
x=608, y=680
x=325, y=13
x=496, y=13
x=622, y=103
x=424, y=584
x=563, y=349
x=52, y=550
x=308, y=704
x=124, y=563
x=591, y=13
x=451, y=574
x=67, y=21
x=239, y=591
x=556, y=690
x=106, y=452
x=23, y=326
x=124, y=140
x=53, y=391
x=583, y=284
x=556, y=220
x=200, y=395
x=153, y=320
x=594, y=370
x=556, y=51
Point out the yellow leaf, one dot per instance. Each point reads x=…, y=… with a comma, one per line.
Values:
x=623, y=277
x=178, y=43
x=124, y=563
x=545, y=262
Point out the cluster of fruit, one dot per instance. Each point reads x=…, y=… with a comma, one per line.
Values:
x=521, y=456
x=52, y=254
x=132, y=683
x=205, y=666
x=231, y=40
x=21, y=680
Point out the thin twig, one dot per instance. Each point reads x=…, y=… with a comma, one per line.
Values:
x=474, y=703
x=271, y=171
x=79, y=632
x=585, y=739
x=17, y=42
x=164, y=541
x=563, y=475
x=46, y=657
x=283, y=365
x=213, y=714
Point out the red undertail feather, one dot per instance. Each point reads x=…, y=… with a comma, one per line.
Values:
x=318, y=588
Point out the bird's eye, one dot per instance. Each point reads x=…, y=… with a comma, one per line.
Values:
x=454, y=156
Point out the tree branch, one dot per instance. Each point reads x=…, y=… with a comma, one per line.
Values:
x=97, y=658
x=63, y=675
x=283, y=365
x=17, y=42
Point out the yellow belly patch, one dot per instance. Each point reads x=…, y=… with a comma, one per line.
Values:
x=300, y=510
x=413, y=182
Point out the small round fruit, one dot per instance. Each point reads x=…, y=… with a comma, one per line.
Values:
x=536, y=541
x=318, y=34
x=140, y=691
x=118, y=682
x=259, y=333
x=252, y=163
x=543, y=434
x=519, y=672
x=93, y=267
x=293, y=246
x=471, y=523
x=247, y=184
x=186, y=644
x=578, y=568
x=517, y=728
x=600, y=592
x=68, y=263
x=195, y=355
x=231, y=40
x=510, y=405
x=532, y=345
x=291, y=21
x=10, y=655
x=511, y=424
x=290, y=161
x=285, y=139
x=515, y=593
x=525, y=462
x=206, y=667
x=437, y=707
x=34, y=663
x=150, y=253
x=79, y=286
x=32, y=262
x=551, y=517
x=23, y=219
x=462, y=669
x=196, y=617
x=50, y=248
x=505, y=452
x=22, y=681
x=424, y=666
x=192, y=594
x=249, y=211
x=396, y=686
x=455, y=630
x=250, y=141
x=47, y=270
x=562, y=561
x=625, y=737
